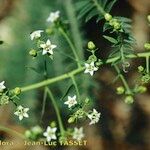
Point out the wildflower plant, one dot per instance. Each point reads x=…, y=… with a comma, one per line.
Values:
x=122, y=43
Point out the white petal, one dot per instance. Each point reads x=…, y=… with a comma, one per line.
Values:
x=48, y=42
x=54, y=137
x=44, y=52
x=26, y=115
x=48, y=138
x=45, y=134
x=20, y=117
x=50, y=51
x=66, y=102
x=91, y=73
x=54, y=129
x=42, y=45
x=86, y=71
x=87, y=65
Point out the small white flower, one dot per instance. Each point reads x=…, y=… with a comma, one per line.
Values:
x=53, y=16
x=50, y=133
x=21, y=112
x=90, y=68
x=36, y=34
x=2, y=86
x=71, y=101
x=78, y=133
x=94, y=117
x=47, y=47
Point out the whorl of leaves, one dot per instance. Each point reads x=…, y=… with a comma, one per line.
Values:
x=88, y=9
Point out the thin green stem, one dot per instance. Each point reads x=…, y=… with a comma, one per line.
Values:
x=57, y=111
x=123, y=80
x=147, y=64
x=71, y=45
x=11, y=131
x=74, y=24
x=44, y=102
x=77, y=71
x=52, y=80
x=76, y=87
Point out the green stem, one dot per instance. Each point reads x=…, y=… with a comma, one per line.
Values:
x=147, y=64
x=76, y=87
x=123, y=80
x=44, y=102
x=52, y=80
x=11, y=131
x=77, y=71
x=130, y=56
x=99, y=8
x=71, y=45
x=76, y=34
x=57, y=111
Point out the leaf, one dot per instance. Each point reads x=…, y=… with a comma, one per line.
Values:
x=91, y=15
x=110, y=39
x=33, y=69
x=85, y=10
x=110, y=5
x=66, y=93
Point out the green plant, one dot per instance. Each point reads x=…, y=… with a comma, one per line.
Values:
x=122, y=43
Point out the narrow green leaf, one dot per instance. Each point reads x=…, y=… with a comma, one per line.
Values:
x=110, y=39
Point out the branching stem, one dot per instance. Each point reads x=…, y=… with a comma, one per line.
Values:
x=11, y=131
x=57, y=111
x=71, y=45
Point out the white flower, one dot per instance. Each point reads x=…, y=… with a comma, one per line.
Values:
x=71, y=101
x=36, y=34
x=50, y=133
x=90, y=68
x=2, y=86
x=21, y=112
x=47, y=47
x=78, y=134
x=53, y=16
x=94, y=117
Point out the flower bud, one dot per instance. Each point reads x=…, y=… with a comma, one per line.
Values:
x=141, y=89
x=92, y=58
x=33, y=53
x=49, y=31
x=108, y=17
x=4, y=99
x=147, y=46
x=145, y=78
x=112, y=21
x=129, y=99
x=1, y=91
x=71, y=119
x=53, y=124
x=28, y=134
x=140, y=68
x=17, y=91
x=116, y=25
x=148, y=18
x=120, y=90
x=91, y=45
x=87, y=100
x=37, y=130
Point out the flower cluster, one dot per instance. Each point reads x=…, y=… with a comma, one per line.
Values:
x=11, y=95
x=45, y=47
x=113, y=22
x=79, y=113
x=93, y=62
x=145, y=76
